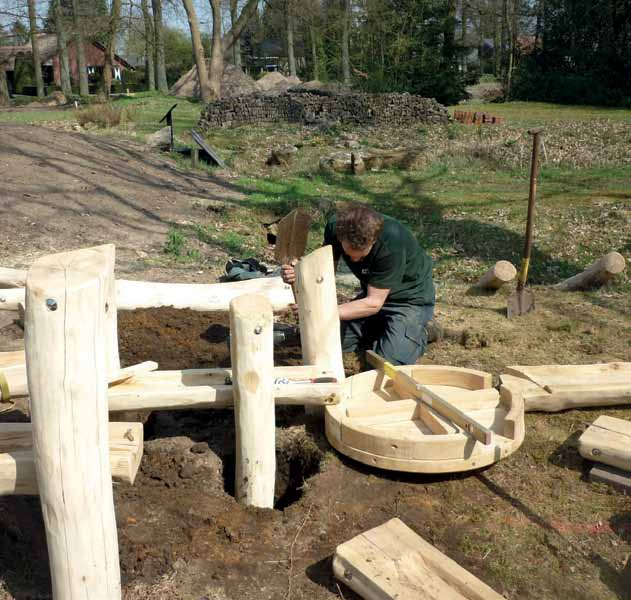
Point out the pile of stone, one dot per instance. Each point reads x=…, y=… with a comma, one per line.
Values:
x=321, y=107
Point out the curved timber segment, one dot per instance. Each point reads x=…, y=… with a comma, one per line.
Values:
x=377, y=426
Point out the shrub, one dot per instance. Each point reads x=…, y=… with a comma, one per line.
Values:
x=102, y=115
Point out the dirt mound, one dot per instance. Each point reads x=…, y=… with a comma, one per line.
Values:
x=294, y=80
x=273, y=82
x=234, y=83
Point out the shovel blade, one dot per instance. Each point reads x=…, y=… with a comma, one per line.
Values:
x=520, y=303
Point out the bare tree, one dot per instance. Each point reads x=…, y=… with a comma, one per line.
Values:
x=216, y=51
x=198, y=51
x=82, y=67
x=149, y=47
x=37, y=65
x=4, y=86
x=62, y=47
x=110, y=47
x=236, y=48
x=290, y=39
x=346, y=59
x=161, y=71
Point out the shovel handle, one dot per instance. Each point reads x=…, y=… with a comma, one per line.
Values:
x=534, y=170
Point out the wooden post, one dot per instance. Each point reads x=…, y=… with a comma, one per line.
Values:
x=500, y=273
x=252, y=356
x=598, y=273
x=195, y=157
x=66, y=356
x=111, y=317
x=318, y=312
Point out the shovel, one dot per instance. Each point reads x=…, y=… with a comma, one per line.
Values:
x=522, y=301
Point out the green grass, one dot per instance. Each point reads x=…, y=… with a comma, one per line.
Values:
x=144, y=109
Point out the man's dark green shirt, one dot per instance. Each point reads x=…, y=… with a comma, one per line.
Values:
x=395, y=262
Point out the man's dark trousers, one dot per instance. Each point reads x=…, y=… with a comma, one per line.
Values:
x=397, y=332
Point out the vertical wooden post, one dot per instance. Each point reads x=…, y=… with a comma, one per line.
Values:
x=195, y=157
x=252, y=356
x=111, y=311
x=316, y=296
x=66, y=344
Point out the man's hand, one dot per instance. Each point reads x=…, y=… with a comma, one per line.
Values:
x=288, y=272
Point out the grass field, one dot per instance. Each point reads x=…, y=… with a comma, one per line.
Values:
x=465, y=197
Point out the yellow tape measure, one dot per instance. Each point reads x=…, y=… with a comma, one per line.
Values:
x=5, y=393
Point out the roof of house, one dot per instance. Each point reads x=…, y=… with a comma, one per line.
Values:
x=47, y=44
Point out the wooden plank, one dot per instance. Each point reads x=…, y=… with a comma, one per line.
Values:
x=591, y=375
x=621, y=480
x=391, y=562
x=607, y=440
x=206, y=148
x=17, y=465
x=132, y=371
x=292, y=232
x=479, y=432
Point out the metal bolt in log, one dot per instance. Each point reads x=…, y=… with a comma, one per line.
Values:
x=66, y=356
x=252, y=359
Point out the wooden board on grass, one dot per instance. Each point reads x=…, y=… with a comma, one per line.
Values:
x=608, y=440
x=391, y=562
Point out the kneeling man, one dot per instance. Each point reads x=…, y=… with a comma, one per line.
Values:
x=397, y=299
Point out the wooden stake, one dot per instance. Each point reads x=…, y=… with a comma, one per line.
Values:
x=598, y=273
x=252, y=356
x=66, y=356
x=316, y=296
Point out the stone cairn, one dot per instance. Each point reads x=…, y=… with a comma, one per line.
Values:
x=314, y=108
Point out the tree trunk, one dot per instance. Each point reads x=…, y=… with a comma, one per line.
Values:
x=62, y=48
x=150, y=74
x=161, y=71
x=497, y=45
x=37, y=65
x=449, y=33
x=464, y=16
x=236, y=48
x=84, y=89
x=108, y=65
x=216, y=51
x=237, y=29
x=314, y=52
x=198, y=51
x=290, y=39
x=4, y=87
x=346, y=59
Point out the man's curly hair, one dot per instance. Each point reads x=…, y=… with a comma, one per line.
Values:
x=359, y=226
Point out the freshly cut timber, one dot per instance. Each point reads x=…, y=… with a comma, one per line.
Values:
x=597, y=274
x=607, y=440
x=391, y=562
x=382, y=424
x=13, y=381
x=212, y=388
x=12, y=278
x=17, y=466
x=551, y=388
x=501, y=273
x=195, y=296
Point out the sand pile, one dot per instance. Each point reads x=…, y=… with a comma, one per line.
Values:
x=234, y=83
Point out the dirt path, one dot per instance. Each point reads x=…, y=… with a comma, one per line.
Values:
x=63, y=190
x=530, y=526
